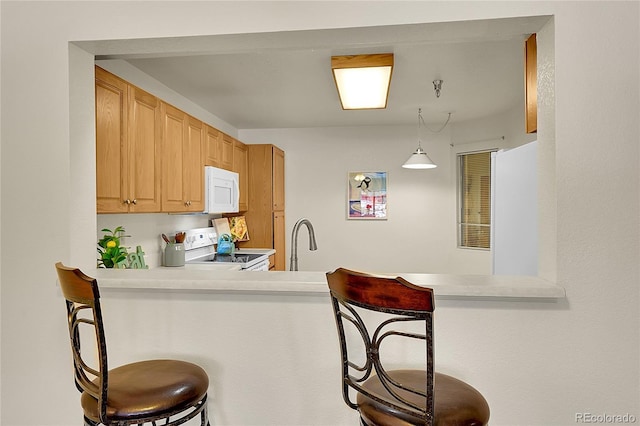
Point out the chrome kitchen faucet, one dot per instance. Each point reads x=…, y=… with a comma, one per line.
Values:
x=293, y=266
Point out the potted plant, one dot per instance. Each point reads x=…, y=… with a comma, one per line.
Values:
x=110, y=253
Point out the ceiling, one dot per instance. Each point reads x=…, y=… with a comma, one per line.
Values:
x=284, y=80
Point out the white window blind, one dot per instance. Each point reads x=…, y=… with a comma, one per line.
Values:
x=474, y=218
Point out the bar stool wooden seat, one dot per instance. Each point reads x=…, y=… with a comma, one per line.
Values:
x=372, y=314
x=133, y=394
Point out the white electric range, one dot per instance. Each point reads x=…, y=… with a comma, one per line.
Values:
x=199, y=248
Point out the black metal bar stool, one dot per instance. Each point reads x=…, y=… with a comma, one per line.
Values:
x=142, y=392
x=371, y=309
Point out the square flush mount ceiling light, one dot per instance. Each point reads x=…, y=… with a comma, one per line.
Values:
x=363, y=80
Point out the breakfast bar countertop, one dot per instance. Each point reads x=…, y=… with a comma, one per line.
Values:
x=226, y=278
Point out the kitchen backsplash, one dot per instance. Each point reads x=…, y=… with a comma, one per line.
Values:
x=145, y=230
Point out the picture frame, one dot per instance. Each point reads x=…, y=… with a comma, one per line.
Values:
x=239, y=229
x=367, y=195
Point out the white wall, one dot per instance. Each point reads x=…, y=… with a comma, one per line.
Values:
x=420, y=232
x=537, y=363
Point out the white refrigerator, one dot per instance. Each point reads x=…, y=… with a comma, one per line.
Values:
x=514, y=221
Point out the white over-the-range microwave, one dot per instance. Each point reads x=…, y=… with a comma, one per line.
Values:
x=222, y=191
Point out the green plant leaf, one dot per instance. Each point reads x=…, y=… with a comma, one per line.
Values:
x=110, y=257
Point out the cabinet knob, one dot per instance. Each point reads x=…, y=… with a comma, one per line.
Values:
x=127, y=201
x=187, y=203
x=134, y=201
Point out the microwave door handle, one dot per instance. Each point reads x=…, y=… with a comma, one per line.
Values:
x=236, y=188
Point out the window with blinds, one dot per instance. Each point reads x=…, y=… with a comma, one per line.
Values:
x=474, y=191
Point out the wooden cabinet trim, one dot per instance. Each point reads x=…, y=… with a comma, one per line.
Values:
x=531, y=84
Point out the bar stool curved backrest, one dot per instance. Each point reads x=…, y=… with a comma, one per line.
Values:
x=142, y=392
x=371, y=310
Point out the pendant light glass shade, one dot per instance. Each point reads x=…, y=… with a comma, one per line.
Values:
x=419, y=160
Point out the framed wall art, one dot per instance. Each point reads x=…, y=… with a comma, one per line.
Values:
x=367, y=195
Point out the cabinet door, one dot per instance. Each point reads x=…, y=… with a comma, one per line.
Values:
x=226, y=152
x=174, y=131
x=213, y=143
x=278, y=179
x=144, y=174
x=111, y=143
x=194, y=166
x=259, y=217
x=279, y=241
x=241, y=166
x=182, y=161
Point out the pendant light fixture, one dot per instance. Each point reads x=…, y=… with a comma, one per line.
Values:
x=419, y=159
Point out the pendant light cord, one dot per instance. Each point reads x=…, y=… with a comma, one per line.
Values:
x=427, y=127
x=419, y=120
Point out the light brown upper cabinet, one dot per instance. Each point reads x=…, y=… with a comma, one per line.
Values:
x=531, y=84
x=226, y=152
x=182, y=161
x=194, y=159
x=150, y=156
x=219, y=148
x=265, y=217
x=127, y=145
x=213, y=143
x=241, y=166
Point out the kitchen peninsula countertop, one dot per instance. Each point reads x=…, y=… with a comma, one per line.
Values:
x=223, y=278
